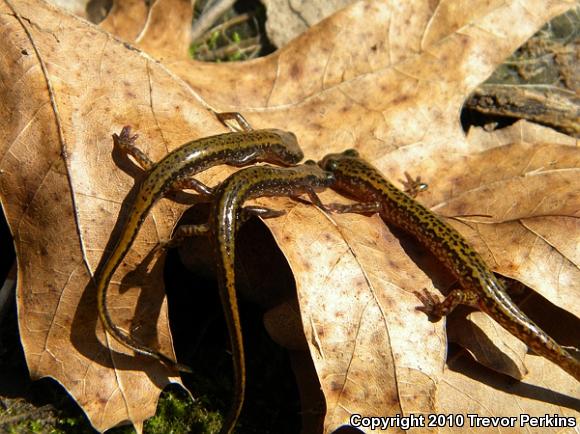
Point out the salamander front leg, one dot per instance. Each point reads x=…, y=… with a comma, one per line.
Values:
x=125, y=143
x=316, y=200
x=193, y=184
x=243, y=124
x=413, y=186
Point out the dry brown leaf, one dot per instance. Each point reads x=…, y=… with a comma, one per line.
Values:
x=154, y=27
x=386, y=78
x=510, y=400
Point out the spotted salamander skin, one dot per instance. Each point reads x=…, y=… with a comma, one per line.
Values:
x=225, y=217
x=236, y=149
x=359, y=180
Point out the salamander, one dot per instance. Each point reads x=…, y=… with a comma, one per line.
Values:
x=480, y=288
x=226, y=216
x=175, y=171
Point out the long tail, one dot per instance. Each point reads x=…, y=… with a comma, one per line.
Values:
x=508, y=314
x=227, y=289
x=128, y=234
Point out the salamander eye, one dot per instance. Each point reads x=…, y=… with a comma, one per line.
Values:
x=310, y=162
x=331, y=164
x=351, y=153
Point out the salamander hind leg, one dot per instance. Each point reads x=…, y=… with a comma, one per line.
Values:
x=182, y=232
x=187, y=231
x=436, y=309
x=125, y=142
x=260, y=211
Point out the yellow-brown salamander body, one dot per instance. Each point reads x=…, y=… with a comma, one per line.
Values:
x=480, y=288
x=175, y=171
x=226, y=215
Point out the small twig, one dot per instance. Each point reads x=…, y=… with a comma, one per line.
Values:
x=225, y=25
x=254, y=53
x=209, y=17
x=247, y=45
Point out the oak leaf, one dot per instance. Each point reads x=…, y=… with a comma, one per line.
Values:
x=386, y=78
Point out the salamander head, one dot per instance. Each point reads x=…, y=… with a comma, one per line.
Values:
x=283, y=149
x=317, y=176
x=331, y=161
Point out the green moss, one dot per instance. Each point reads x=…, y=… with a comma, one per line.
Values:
x=178, y=413
x=239, y=34
x=193, y=49
x=30, y=426
x=213, y=40
x=74, y=424
x=36, y=426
